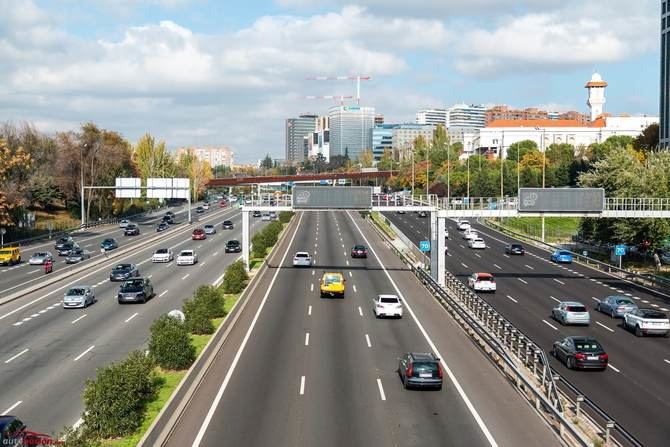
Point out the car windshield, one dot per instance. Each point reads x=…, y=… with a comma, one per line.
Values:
x=227, y=222
x=624, y=301
x=122, y=267
x=132, y=285
x=425, y=367
x=108, y=241
x=301, y=255
x=76, y=251
x=587, y=346
x=233, y=242
x=390, y=300
x=77, y=291
x=209, y=226
x=39, y=255
x=576, y=309
x=332, y=279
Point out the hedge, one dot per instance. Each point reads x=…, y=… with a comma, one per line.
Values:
x=170, y=345
x=285, y=216
x=197, y=322
x=235, y=277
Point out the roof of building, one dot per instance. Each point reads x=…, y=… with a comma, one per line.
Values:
x=596, y=81
x=599, y=122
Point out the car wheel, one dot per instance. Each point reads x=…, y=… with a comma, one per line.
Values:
x=612, y=313
x=570, y=363
x=638, y=331
x=666, y=335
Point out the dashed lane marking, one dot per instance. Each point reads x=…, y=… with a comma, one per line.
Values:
x=512, y=299
x=609, y=365
x=522, y=280
x=77, y=319
x=550, y=325
x=14, y=357
x=559, y=281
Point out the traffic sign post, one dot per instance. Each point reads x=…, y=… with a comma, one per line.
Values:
x=424, y=246
x=620, y=251
x=2, y=237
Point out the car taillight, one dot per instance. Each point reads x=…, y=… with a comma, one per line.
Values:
x=439, y=371
x=580, y=356
x=604, y=357
x=410, y=371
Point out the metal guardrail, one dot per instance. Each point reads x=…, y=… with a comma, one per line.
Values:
x=648, y=280
x=516, y=350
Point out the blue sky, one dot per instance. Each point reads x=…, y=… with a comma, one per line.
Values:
x=204, y=72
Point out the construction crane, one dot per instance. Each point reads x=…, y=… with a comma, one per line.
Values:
x=340, y=97
x=357, y=78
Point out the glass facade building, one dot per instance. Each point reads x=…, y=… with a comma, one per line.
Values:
x=296, y=130
x=664, y=125
x=350, y=130
x=382, y=140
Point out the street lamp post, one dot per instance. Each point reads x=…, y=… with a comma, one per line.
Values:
x=412, y=172
x=427, y=172
x=81, y=175
x=500, y=155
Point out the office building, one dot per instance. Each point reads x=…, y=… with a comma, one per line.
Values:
x=379, y=119
x=503, y=112
x=350, y=130
x=468, y=116
x=433, y=117
x=215, y=156
x=296, y=129
x=405, y=135
x=382, y=139
x=664, y=126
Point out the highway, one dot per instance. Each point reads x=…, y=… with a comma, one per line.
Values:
x=299, y=370
x=633, y=390
x=48, y=352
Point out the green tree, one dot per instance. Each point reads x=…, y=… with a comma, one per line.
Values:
x=152, y=159
x=235, y=277
x=267, y=163
x=170, y=345
x=647, y=141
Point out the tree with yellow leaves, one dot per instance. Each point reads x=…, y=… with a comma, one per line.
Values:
x=14, y=164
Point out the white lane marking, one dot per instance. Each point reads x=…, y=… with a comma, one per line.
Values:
x=202, y=264
x=613, y=288
x=344, y=252
x=347, y=261
x=77, y=319
x=302, y=387
x=645, y=301
x=448, y=254
x=26, y=319
x=629, y=294
x=162, y=293
x=313, y=271
x=381, y=389
x=18, y=323
x=555, y=299
x=462, y=246
x=497, y=266
x=360, y=311
x=9, y=410
x=306, y=338
x=350, y=275
x=452, y=377
x=309, y=310
x=595, y=299
x=637, y=298
x=602, y=325
x=559, y=281
x=592, y=279
x=238, y=354
x=311, y=287
x=664, y=309
x=512, y=299
x=522, y=280
x=654, y=305
x=84, y=353
x=464, y=265
x=528, y=266
x=355, y=291
x=31, y=272
x=506, y=256
x=619, y=290
x=367, y=340
x=609, y=365
x=666, y=361
x=215, y=253
x=14, y=357
x=185, y=276
x=34, y=315
x=550, y=325
x=132, y=316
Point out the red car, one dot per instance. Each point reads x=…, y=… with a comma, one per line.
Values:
x=359, y=251
x=198, y=234
x=223, y=204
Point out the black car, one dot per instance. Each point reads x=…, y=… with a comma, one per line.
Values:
x=227, y=225
x=256, y=213
x=514, y=249
x=168, y=220
x=77, y=255
x=233, y=246
x=162, y=227
x=63, y=241
x=135, y=290
x=66, y=249
x=131, y=230
x=359, y=251
x=422, y=214
x=169, y=214
x=420, y=370
x=199, y=210
x=121, y=272
x=579, y=352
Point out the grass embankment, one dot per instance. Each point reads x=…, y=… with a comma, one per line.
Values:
x=381, y=222
x=556, y=229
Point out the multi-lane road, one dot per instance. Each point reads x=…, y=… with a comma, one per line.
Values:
x=634, y=389
x=48, y=352
x=299, y=370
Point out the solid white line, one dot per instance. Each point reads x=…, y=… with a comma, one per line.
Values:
x=528, y=266
x=77, y=319
x=306, y=338
x=302, y=387
x=355, y=291
x=360, y=311
x=559, y=281
x=522, y=280
x=550, y=325
x=16, y=356
x=309, y=310
x=367, y=339
x=381, y=389
x=464, y=265
x=512, y=299
x=615, y=369
x=132, y=316
x=452, y=377
x=9, y=410
x=497, y=266
x=555, y=299
x=602, y=325
x=84, y=353
x=238, y=354
x=185, y=276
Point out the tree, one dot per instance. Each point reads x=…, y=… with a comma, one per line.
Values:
x=647, y=141
x=14, y=163
x=385, y=163
x=151, y=159
x=366, y=158
x=198, y=172
x=523, y=148
x=266, y=163
x=170, y=345
x=43, y=191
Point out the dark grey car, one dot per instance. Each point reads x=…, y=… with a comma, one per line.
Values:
x=121, y=272
x=66, y=249
x=77, y=255
x=420, y=370
x=135, y=290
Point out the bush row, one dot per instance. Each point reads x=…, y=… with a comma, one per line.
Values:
x=266, y=238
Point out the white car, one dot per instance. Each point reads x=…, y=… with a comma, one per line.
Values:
x=647, y=322
x=302, y=259
x=205, y=205
x=124, y=223
x=273, y=215
x=210, y=229
x=477, y=243
x=470, y=234
x=463, y=225
x=187, y=257
x=266, y=216
x=482, y=282
x=387, y=306
x=162, y=255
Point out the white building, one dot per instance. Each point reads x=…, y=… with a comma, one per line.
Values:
x=433, y=117
x=350, y=128
x=404, y=136
x=318, y=142
x=468, y=116
x=215, y=156
x=596, y=99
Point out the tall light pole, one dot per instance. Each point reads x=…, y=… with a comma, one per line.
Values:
x=448, y=173
x=518, y=170
x=81, y=185
x=500, y=155
x=427, y=173
x=412, y=173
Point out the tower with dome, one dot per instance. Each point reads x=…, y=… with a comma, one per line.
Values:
x=596, y=100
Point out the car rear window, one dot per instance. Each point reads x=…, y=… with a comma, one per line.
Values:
x=186, y=253
x=624, y=301
x=576, y=309
x=425, y=367
x=654, y=315
x=516, y=246
x=161, y=250
x=390, y=300
x=301, y=255
x=564, y=253
x=587, y=346
x=122, y=267
x=332, y=279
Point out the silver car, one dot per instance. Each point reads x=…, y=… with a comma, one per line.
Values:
x=40, y=258
x=616, y=306
x=571, y=312
x=209, y=229
x=78, y=296
x=302, y=259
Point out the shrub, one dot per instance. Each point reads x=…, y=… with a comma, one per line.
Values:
x=259, y=244
x=75, y=437
x=197, y=322
x=116, y=399
x=272, y=232
x=285, y=216
x=235, y=277
x=170, y=345
x=212, y=300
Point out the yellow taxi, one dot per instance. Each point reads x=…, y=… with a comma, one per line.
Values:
x=9, y=256
x=332, y=284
